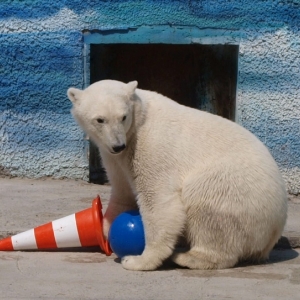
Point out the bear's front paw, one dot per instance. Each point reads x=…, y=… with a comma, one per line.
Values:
x=137, y=263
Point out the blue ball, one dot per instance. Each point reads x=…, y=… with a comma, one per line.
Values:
x=126, y=235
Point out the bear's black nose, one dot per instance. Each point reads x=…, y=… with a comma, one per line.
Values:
x=118, y=149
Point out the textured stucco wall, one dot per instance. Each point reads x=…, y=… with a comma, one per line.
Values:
x=269, y=96
x=41, y=47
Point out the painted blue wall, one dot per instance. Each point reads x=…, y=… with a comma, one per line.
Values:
x=41, y=46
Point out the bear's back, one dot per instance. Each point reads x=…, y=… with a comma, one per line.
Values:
x=201, y=131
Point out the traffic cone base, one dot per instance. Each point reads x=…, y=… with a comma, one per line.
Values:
x=81, y=229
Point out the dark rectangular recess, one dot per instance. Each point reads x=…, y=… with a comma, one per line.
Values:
x=199, y=76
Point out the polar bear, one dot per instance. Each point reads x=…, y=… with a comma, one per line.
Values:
x=192, y=174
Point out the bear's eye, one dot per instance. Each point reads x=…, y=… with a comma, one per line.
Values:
x=99, y=120
x=124, y=118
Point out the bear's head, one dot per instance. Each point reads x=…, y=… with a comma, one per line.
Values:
x=104, y=111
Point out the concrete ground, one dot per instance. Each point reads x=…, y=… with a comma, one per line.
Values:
x=89, y=274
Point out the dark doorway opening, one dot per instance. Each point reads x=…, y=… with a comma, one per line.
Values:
x=199, y=76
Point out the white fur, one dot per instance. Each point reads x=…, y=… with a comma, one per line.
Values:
x=192, y=174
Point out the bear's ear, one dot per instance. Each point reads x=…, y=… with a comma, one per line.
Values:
x=74, y=94
x=131, y=86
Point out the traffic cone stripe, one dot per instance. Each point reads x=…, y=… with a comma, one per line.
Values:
x=65, y=232
x=6, y=244
x=24, y=240
x=44, y=236
x=84, y=222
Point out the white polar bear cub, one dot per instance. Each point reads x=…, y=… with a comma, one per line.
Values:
x=193, y=175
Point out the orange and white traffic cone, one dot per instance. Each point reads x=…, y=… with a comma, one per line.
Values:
x=81, y=229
